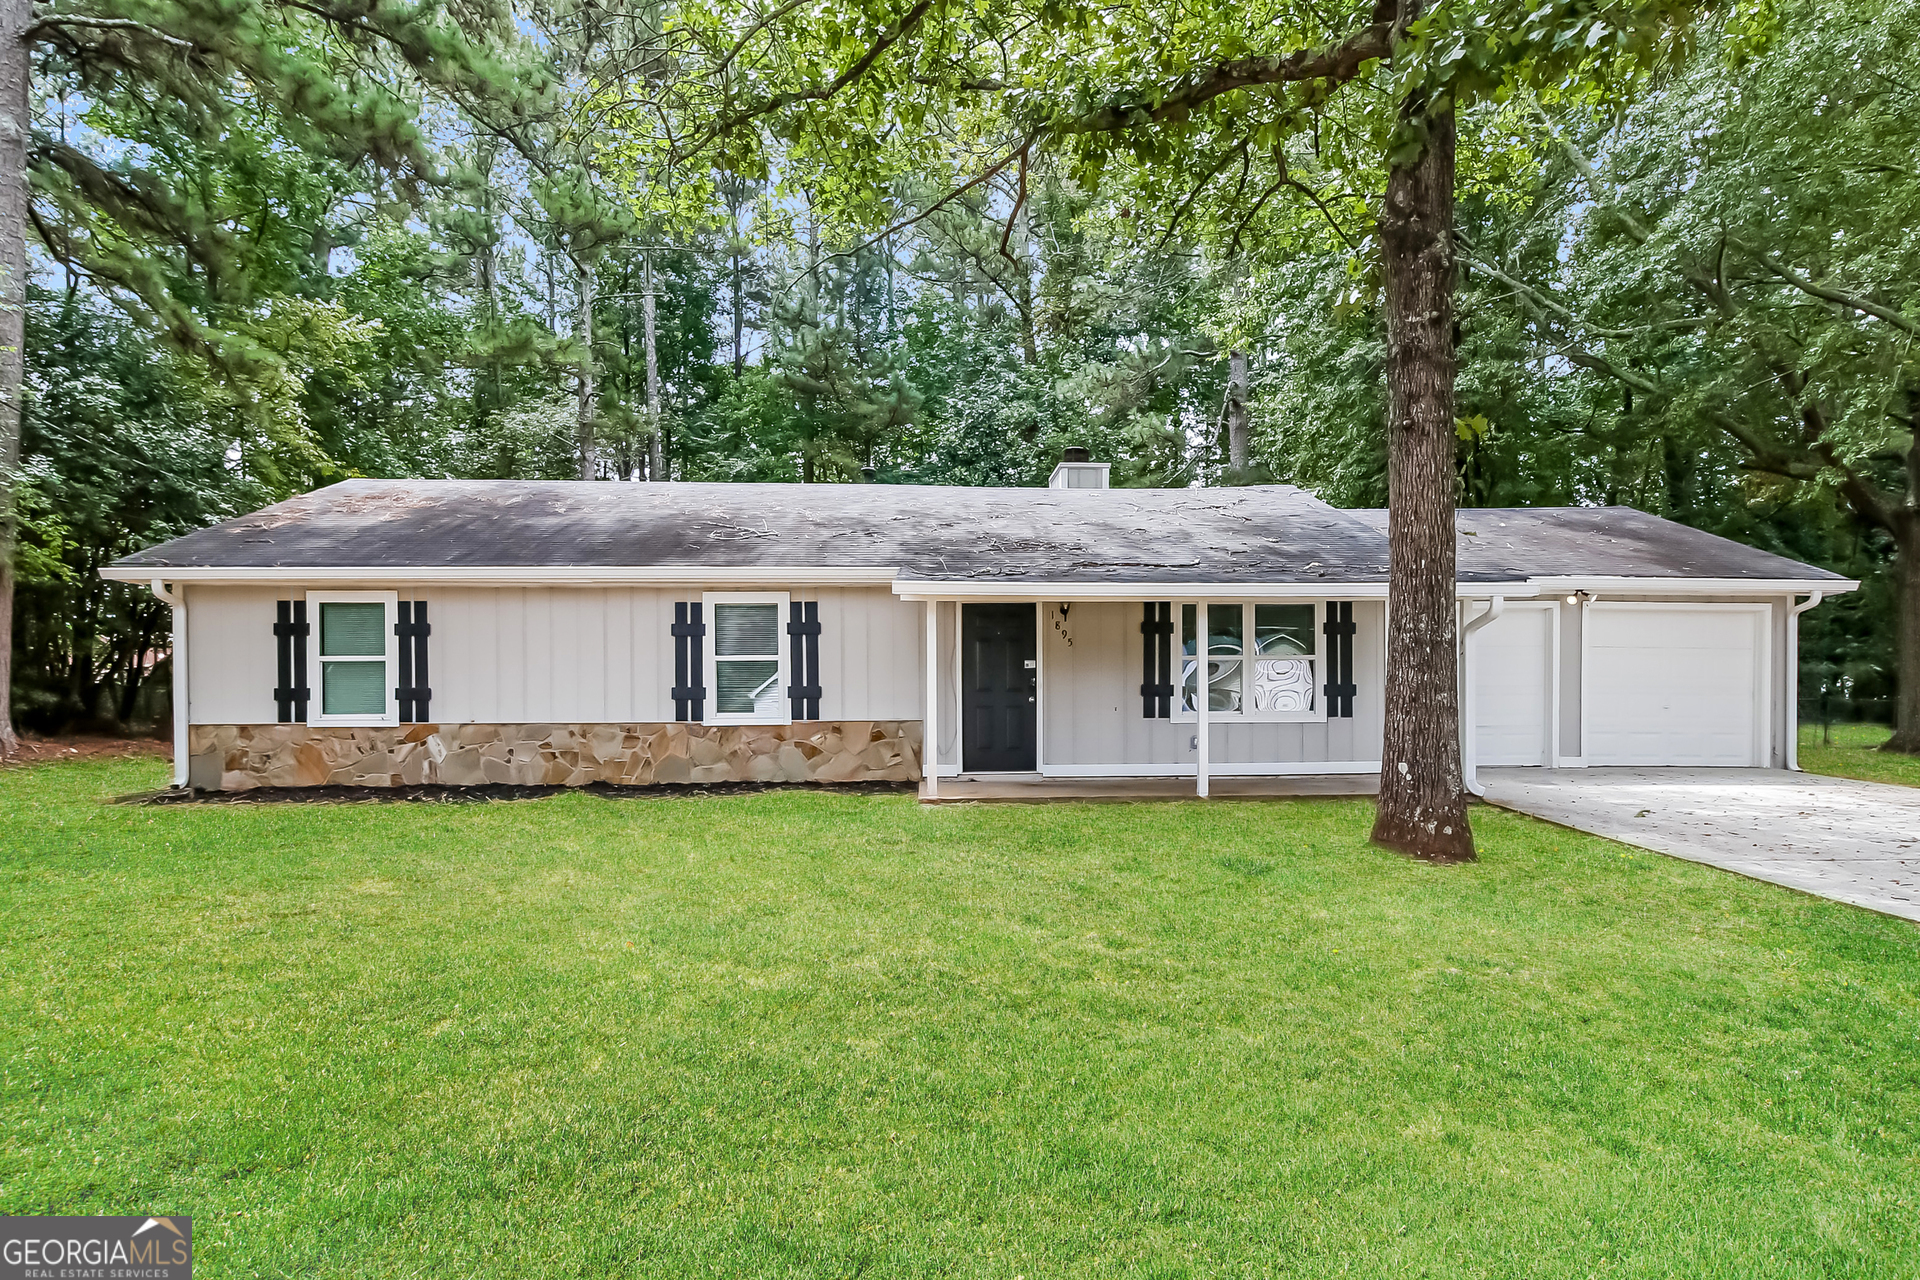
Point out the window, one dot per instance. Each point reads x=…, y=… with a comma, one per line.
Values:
x=1267, y=672
x=351, y=646
x=747, y=653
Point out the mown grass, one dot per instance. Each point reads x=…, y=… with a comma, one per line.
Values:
x=1852, y=751
x=807, y=1035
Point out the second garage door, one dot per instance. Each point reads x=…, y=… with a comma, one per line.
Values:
x=1676, y=684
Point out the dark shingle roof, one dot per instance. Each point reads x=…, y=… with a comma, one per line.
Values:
x=1273, y=533
x=1508, y=543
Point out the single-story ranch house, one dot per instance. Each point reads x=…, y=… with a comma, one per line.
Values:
x=392, y=632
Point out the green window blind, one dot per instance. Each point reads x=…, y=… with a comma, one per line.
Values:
x=353, y=688
x=352, y=630
x=746, y=630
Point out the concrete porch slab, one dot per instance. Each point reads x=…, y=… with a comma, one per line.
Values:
x=1853, y=842
x=1033, y=788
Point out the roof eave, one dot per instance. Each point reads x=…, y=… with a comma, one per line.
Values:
x=933, y=589
x=506, y=575
x=1597, y=585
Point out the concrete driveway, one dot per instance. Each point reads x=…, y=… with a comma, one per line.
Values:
x=1856, y=842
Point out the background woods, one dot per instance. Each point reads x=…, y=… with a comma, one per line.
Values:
x=422, y=245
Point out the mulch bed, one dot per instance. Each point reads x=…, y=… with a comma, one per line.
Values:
x=493, y=792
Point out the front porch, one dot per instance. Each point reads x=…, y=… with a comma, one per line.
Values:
x=1106, y=697
x=1034, y=788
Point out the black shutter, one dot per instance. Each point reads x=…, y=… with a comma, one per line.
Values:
x=422, y=687
x=1338, y=658
x=689, y=655
x=403, y=692
x=283, y=643
x=803, y=654
x=290, y=638
x=413, y=693
x=1156, y=661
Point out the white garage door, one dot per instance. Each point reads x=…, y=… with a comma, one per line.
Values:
x=1676, y=684
x=1513, y=687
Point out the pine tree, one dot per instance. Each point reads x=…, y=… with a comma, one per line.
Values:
x=179, y=94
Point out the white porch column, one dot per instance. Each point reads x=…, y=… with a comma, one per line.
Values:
x=1203, y=681
x=930, y=723
x=178, y=661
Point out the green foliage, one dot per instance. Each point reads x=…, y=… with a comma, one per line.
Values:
x=380, y=264
x=119, y=451
x=195, y=161
x=1731, y=286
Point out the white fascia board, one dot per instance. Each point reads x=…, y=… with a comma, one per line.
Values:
x=917, y=589
x=1693, y=586
x=1073, y=592
x=555, y=576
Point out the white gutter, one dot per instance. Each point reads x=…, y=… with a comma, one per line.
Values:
x=178, y=660
x=521, y=576
x=1193, y=592
x=927, y=589
x=1075, y=592
x=1793, y=678
x=1469, y=740
x=1568, y=585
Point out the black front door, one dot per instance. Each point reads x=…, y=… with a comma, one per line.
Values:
x=999, y=673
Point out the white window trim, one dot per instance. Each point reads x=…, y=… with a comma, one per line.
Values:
x=1318, y=657
x=316, y=676
x=711, y=666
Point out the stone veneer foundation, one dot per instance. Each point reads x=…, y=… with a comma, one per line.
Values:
x=240, y=757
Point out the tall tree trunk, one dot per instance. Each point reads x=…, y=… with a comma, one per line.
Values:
x=1236, y=415
x=1906, y=567
x=656, y=462
x=487, y=395
x=1906, y=538
x=1422, y=809
x=14, y=122
x=589, y=388
x=739, y=319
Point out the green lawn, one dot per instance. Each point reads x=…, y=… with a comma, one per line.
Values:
x=805, y=1035
x=1851, y=753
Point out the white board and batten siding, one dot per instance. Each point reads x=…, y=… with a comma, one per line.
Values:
x=1091, y=720
x=555, y=655
x=1640, y=682
x=233, y=663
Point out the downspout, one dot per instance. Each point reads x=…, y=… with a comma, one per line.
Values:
x=1469, y=740
x=177, y=598
x=1793, y=678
